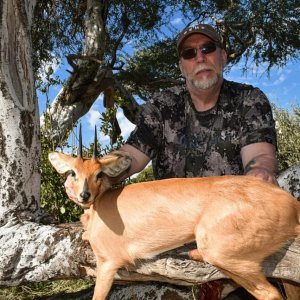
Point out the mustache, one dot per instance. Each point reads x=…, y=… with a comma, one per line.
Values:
x=202, y=67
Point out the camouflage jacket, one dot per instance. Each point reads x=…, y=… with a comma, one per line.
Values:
x=183, y=142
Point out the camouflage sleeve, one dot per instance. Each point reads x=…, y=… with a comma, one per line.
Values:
x=258, y=124
x=147, y=134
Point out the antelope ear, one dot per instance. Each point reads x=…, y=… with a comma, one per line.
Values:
x=115, y=163
x=61, y=162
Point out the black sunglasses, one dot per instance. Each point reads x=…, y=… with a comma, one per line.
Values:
x=190, y=53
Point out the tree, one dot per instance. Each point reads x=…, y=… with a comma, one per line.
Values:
x=19, y=126
x=26, y=244
x=260, y=31
x=32, y=247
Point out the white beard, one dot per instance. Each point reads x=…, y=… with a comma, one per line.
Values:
x=204, y=83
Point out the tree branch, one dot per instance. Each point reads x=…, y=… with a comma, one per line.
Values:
x=87, y=80
x=130, y=107
x=31, y=252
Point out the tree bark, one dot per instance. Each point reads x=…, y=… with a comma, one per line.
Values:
x=34, y=253
x=289, y=180
x=19, y=116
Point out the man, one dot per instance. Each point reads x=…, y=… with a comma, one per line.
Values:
x=209, y=127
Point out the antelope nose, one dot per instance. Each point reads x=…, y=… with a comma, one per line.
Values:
x=85, y=196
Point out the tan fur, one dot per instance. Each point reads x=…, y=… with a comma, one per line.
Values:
x=237, y=221
x=292, y=291
x=84, y=219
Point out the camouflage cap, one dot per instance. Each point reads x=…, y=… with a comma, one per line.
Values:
x=198, y=28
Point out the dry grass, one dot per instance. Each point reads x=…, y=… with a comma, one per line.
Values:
x=43, y=289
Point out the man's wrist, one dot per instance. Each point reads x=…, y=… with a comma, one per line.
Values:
x=252, y=165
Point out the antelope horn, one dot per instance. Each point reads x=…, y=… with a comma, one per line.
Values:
x=79, y=154
x=95, y=152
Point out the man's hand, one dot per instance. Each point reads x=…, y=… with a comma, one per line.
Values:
x=263, y=174
x=259, y=160
x=69, y=188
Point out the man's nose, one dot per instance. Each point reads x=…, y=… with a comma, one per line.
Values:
x=200, y=57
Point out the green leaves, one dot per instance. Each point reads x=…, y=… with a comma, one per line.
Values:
x=53, y=196
x=288, y=135
x=139, y=36
x=151, y=69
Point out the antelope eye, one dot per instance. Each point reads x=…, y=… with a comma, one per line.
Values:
x=99, y=175
x=73, y=174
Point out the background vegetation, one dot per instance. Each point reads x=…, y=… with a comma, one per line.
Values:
x=288, y=134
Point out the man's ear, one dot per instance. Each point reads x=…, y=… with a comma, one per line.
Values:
x=224, y=58
x=61, y=162
x=181, y=68
x=115, y=163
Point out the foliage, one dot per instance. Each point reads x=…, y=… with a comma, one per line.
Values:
x=145, y=175
x=266, y=30
x=143, y=74
x=288, y=134
x=53, y=195
x=110, y=128
x=57, y=29
x=59, y=26
x=139, y=43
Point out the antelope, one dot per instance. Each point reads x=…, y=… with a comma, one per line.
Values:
x=236, y=221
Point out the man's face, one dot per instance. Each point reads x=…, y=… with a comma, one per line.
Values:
x=205, y=70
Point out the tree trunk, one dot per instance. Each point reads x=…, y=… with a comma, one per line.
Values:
x=19, y=116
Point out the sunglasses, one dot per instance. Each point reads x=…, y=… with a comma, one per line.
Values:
x=190, y=53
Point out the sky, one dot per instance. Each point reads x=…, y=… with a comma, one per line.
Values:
x=281, y=86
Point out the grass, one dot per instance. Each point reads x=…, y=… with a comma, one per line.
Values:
x=42, y=289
